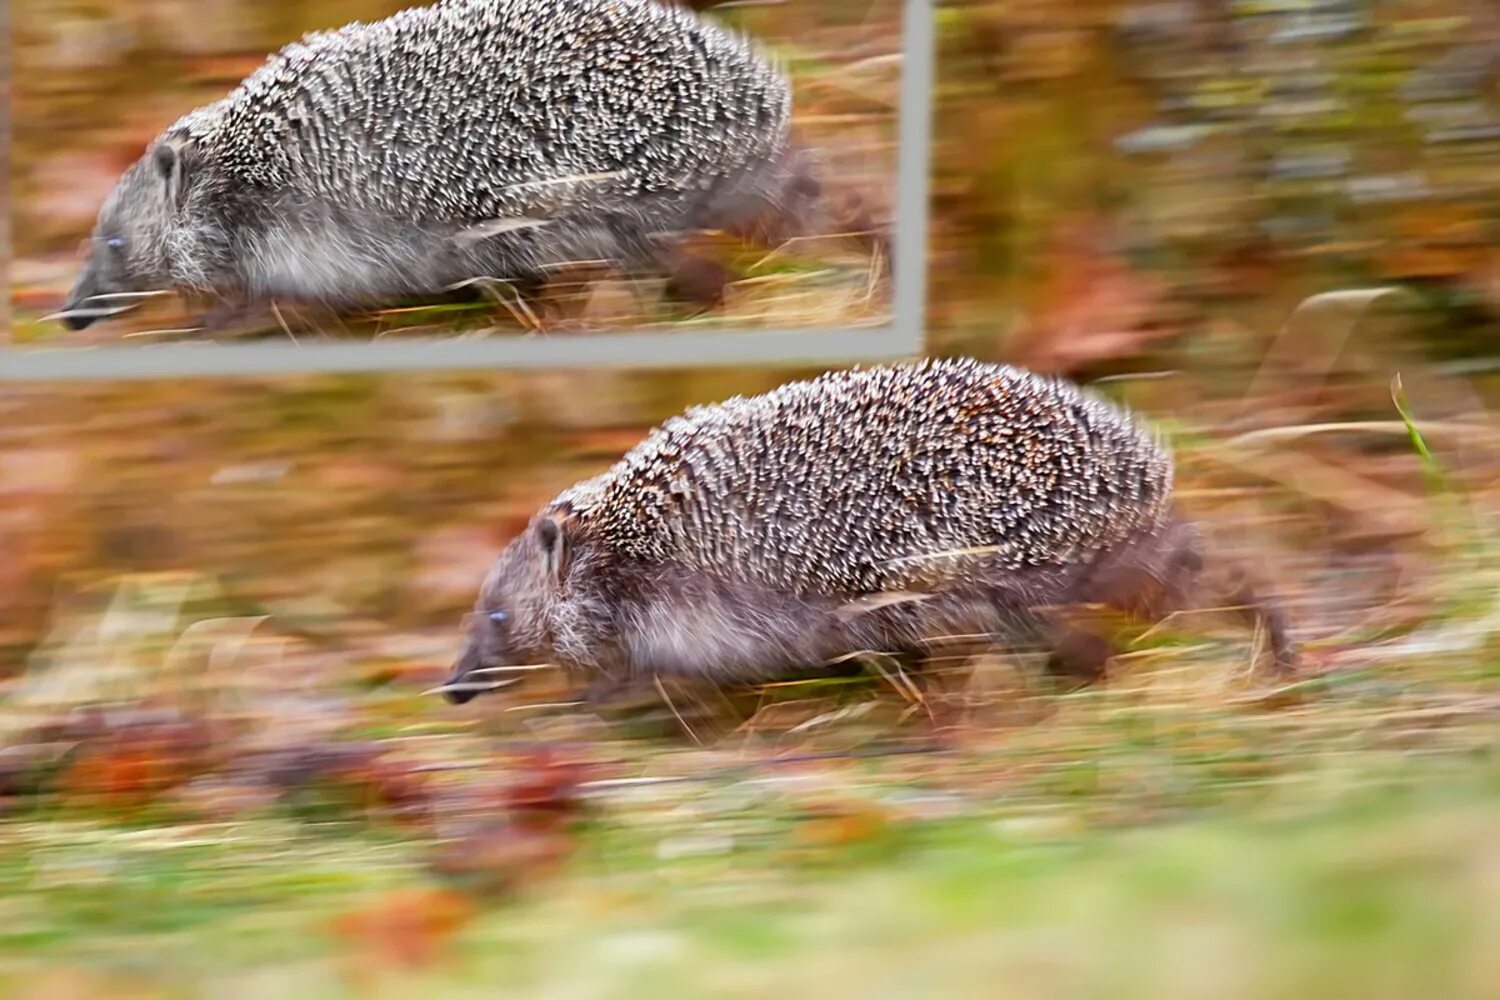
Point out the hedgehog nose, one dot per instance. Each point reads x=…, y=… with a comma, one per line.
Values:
x=458, y=697
x=75, y=315
x=459, y=688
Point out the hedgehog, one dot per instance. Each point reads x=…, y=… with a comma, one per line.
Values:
x=451, y=143
x=874, y=509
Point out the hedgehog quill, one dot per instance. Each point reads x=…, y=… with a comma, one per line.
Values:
x=466, y=139
x=868, y=509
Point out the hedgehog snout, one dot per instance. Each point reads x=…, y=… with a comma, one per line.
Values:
x=75, y=313
x=459, y=688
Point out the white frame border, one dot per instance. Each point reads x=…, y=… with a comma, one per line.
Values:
x=902, y=337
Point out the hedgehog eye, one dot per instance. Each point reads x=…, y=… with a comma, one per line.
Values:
x=498, y=616
x=115, y=242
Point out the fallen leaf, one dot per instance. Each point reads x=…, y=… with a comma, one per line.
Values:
x=499, y=858
x=547, y=788
x=130, y=762
x=408, y=928
x=842, y=825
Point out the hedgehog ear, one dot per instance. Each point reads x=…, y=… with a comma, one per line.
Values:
x=552, y=535
x=171, y=168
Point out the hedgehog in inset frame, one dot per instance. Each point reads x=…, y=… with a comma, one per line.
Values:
x=462, y=140
x=870, y=509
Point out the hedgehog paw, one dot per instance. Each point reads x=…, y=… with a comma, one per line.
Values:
x=697, y=282
x=1079, y=658
x=226, y=315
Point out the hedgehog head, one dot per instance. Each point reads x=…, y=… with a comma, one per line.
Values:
x=520, y=608
x=131, y=252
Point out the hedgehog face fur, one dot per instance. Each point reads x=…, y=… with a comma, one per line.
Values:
x=871, y=509
x=508, y=627
x=136, y=240
x=466, y=139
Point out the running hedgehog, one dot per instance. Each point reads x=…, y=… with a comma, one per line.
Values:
x=869, y=509
x=466, y=139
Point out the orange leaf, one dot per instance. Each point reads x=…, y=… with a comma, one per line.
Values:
x=841, y=826
x=409, y=928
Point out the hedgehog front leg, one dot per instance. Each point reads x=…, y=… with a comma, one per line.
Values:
x=597, y=695
x=225, y=313
x=693, y=279
x=1078, y=657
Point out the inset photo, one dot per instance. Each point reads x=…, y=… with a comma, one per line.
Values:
x=353, y=171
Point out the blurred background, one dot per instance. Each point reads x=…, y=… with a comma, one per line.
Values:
x=1269, y=226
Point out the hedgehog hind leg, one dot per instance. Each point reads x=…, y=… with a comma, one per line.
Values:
x=1147, y=579
x=1197, y=578
x=804, y=203
x=1263, y=609
x=1176, y=574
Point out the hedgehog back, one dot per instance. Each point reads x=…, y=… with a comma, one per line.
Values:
x=437, y=113
x=852, y=482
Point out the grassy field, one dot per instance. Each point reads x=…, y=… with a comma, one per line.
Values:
x=1185, y=831
x=1129, y=847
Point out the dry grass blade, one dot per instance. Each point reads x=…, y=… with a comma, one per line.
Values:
x=1319, y=334
x=563, y=265
x=518, y=309
x=544, y=706
x=1393, y=511
x=977, y=550
x=957, y=637
x=875, y=602
x=471, y=687
x=782, y=250
x=276, y=309
x=97, y=306
x=495, y=227
x=512, y=669
x=781, y=280
x=183, y=331
x=87, y=313
x=130, y=296
x=672, y=707
x=1468, y=433
x=571, y=179
x=847, y=713
x=1177, y=616
x=890, y=671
